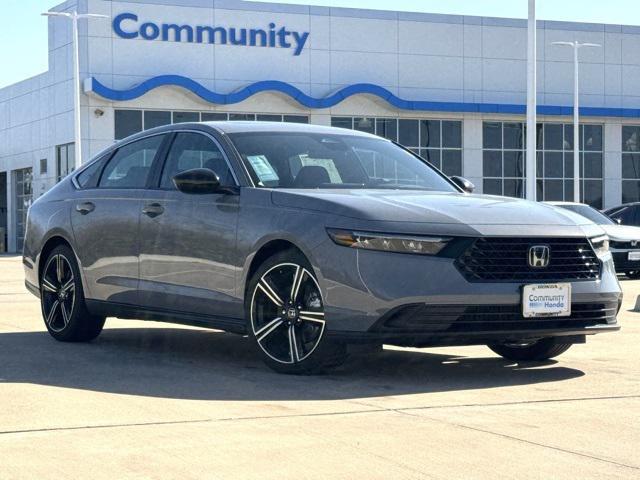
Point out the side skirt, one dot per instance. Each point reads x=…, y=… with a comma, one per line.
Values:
x=133, y=312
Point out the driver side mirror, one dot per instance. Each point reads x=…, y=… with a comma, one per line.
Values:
x=463, y=183
x=199, y=181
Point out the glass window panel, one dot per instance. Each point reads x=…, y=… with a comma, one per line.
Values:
x=492, y=187
x=568, y=165
x=568, y=136
x=127, y=122
x=387, y=128
x=365, y=124
x=452, y=162
x=568, y=190
x=630, y=138
x=154, y=118
x=513, y=188
x=408, y=133
x=539, y=164
x=130, y=166
x=513, y=164
x=630, y=191
x=182, y=117
x=539, y=189
x=513, y=136
x=553, y=190
x=553, y=164
x=268, y=118
x=592, y=165
x=342, y=122
x=213, y=116
x=250, y=117
x=539, y=136
x=295, y=119
x=492, y=135
x=43, y=166
x=87, y=178
x=592, y=193
x=432, y=156
x=194, y=150
x=492, y=163
x=630, y=165
x=430, y=133
x=553, y=136
x=451, y=134
x=592, y=137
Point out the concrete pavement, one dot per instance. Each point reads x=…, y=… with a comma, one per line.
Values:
x=152, y=400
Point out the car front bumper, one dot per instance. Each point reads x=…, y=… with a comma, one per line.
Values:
x=423, y=300
x=622, y=262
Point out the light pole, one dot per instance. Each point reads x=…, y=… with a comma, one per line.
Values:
x=530, y=164
x=74, y=17
x=576, y=114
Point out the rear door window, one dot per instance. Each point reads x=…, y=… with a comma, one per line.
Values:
x=131, y=164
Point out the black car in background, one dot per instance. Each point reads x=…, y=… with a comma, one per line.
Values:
x=627, y=214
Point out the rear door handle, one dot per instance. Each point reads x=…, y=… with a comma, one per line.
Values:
x=153, y=210
x=86, y=207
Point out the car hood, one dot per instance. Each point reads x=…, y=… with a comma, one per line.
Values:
x=431, y=207
x=622, y=233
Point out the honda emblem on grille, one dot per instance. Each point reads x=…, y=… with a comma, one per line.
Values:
x=539, y=256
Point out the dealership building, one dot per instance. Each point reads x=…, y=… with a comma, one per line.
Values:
x=452, y=88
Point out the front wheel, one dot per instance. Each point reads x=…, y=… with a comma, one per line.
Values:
x=62, y=299
x=634, y=275
x=536, y=350
x=286, y=317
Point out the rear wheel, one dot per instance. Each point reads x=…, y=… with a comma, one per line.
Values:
x=286, y=317
x=62, y=299
x=536, y=350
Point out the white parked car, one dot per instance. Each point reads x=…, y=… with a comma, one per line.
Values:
x=624, y=240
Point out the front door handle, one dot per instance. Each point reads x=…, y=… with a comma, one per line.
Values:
x=153, y=210
x=86, y=207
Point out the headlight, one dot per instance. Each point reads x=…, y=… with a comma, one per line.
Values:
x=388, y=242
x=600, y=245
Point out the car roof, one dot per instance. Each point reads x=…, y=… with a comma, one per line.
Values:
x=248, y=126
x=560, y=204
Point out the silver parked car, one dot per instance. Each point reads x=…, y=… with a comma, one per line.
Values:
x=309, y=239
x=624, y=240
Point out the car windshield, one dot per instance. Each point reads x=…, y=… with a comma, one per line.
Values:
x=312, y=160
x=590, y=213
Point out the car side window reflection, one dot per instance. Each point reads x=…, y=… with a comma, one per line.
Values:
x=130, y=166
x=193, y=150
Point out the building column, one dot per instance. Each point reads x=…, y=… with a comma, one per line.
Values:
x=472, y=151
x=11, y=214
x=612, y=167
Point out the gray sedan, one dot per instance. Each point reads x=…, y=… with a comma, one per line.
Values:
x=310, y=239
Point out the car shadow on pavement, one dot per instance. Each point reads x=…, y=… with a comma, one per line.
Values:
x=209, y=365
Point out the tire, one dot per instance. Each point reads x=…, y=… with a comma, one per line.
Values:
x=539, y=350
x=634, y=275
x=290, y=336
x=62, y=299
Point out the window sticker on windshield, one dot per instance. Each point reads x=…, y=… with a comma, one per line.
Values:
x=263, y=168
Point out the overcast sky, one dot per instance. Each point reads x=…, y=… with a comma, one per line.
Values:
x=23, y=32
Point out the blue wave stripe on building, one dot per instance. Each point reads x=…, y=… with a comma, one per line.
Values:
x=344, y=93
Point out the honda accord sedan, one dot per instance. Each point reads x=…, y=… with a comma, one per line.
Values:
x=308, y=240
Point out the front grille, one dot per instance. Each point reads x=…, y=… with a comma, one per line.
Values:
x=445, y=319
x=623, y=245
x=498, y=259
